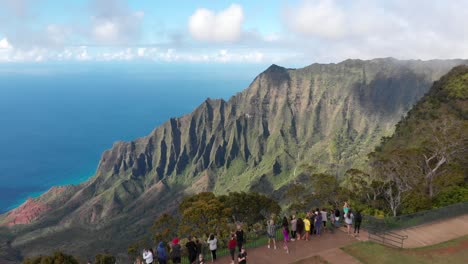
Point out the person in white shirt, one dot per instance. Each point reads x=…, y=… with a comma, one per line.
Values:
x=349, y=217
x=148, y=256
x=213, y=242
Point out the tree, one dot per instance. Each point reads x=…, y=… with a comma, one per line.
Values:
x=326, y=189
x=363, y=186
x=250, y=208
x=397, y=172
x=57, y=258
x=203, y=214
x=448, y=140
x=295, y=195
x=164, y=228
x=135, y=249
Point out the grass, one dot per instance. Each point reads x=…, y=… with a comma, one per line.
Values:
x=312, y=260
x=453, y=251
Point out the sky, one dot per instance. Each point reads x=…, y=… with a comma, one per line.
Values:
x=296, y=32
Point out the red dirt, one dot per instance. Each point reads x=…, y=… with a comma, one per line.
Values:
x=26, y=213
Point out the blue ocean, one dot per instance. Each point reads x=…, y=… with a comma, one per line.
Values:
x=57, y=119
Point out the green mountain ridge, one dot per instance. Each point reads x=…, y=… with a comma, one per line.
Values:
x=328, y=115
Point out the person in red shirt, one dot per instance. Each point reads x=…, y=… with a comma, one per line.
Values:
x=232, y=246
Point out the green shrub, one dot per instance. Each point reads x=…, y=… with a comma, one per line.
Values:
x=104, y=259
x=456, y=194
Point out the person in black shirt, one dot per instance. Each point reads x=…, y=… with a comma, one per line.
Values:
x=240, y=237
x=192, y=250
x=242, y=258
x=300, y=228
x=357, y=223
x=199, y=246
x=337, y=217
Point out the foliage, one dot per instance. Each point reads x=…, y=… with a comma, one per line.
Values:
x=104, y=259
x=135, y=249
x=455, y=194
x=327, y=190
x=203, y=214
x=164, y=228
x=416, y=201
x=57, y=258
x=250, y=208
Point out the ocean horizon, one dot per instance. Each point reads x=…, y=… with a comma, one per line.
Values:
x=58, y=119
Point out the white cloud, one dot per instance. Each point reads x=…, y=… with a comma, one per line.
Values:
x=224, y=26
x=322, y=18
x=4, y=44
x=82, y=54
x=141, y=52
x=114, y=22
x=106, y=31
x=332, y=30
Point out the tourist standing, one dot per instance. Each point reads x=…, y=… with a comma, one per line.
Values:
x=192, y=250
x=293, y=227
x=332, y=217
x=357, y=223
x=271, y=232
x=318, y=223
x=176, y=251
x=300, y=228
x=324, y=218
x=213, y=242
x=306, y=228
x=162, y=253
x=337, y=217
x=199, y=246
x=239, y=237
x=285, y=222
x=286, y=239
x=232, y=246
x=348, y=218
x=148, y=256
x=345, y=208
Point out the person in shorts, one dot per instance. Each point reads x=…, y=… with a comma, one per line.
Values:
x=271, y=232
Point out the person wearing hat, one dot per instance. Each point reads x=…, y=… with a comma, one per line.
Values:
x=175, y=251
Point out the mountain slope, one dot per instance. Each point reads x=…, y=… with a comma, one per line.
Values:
x=330, y=115
x=433, y=139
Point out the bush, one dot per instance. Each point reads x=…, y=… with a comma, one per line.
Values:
x=57, y=258
x=104, y=259
x=456, y=194
x=416, y=201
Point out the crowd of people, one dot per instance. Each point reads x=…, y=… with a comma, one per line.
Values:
x=194, y=250
x=299, y=226
x=313, y=223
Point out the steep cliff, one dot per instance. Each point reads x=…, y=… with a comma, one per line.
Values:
x=328, y=115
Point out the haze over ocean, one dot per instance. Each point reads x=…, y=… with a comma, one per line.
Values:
x=56, y=119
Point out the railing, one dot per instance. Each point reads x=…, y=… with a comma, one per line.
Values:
x=388, y=238
x=381, y=229
x=405, y=221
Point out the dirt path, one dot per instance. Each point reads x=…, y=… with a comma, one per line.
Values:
x=326, y=246
x=436, y=232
